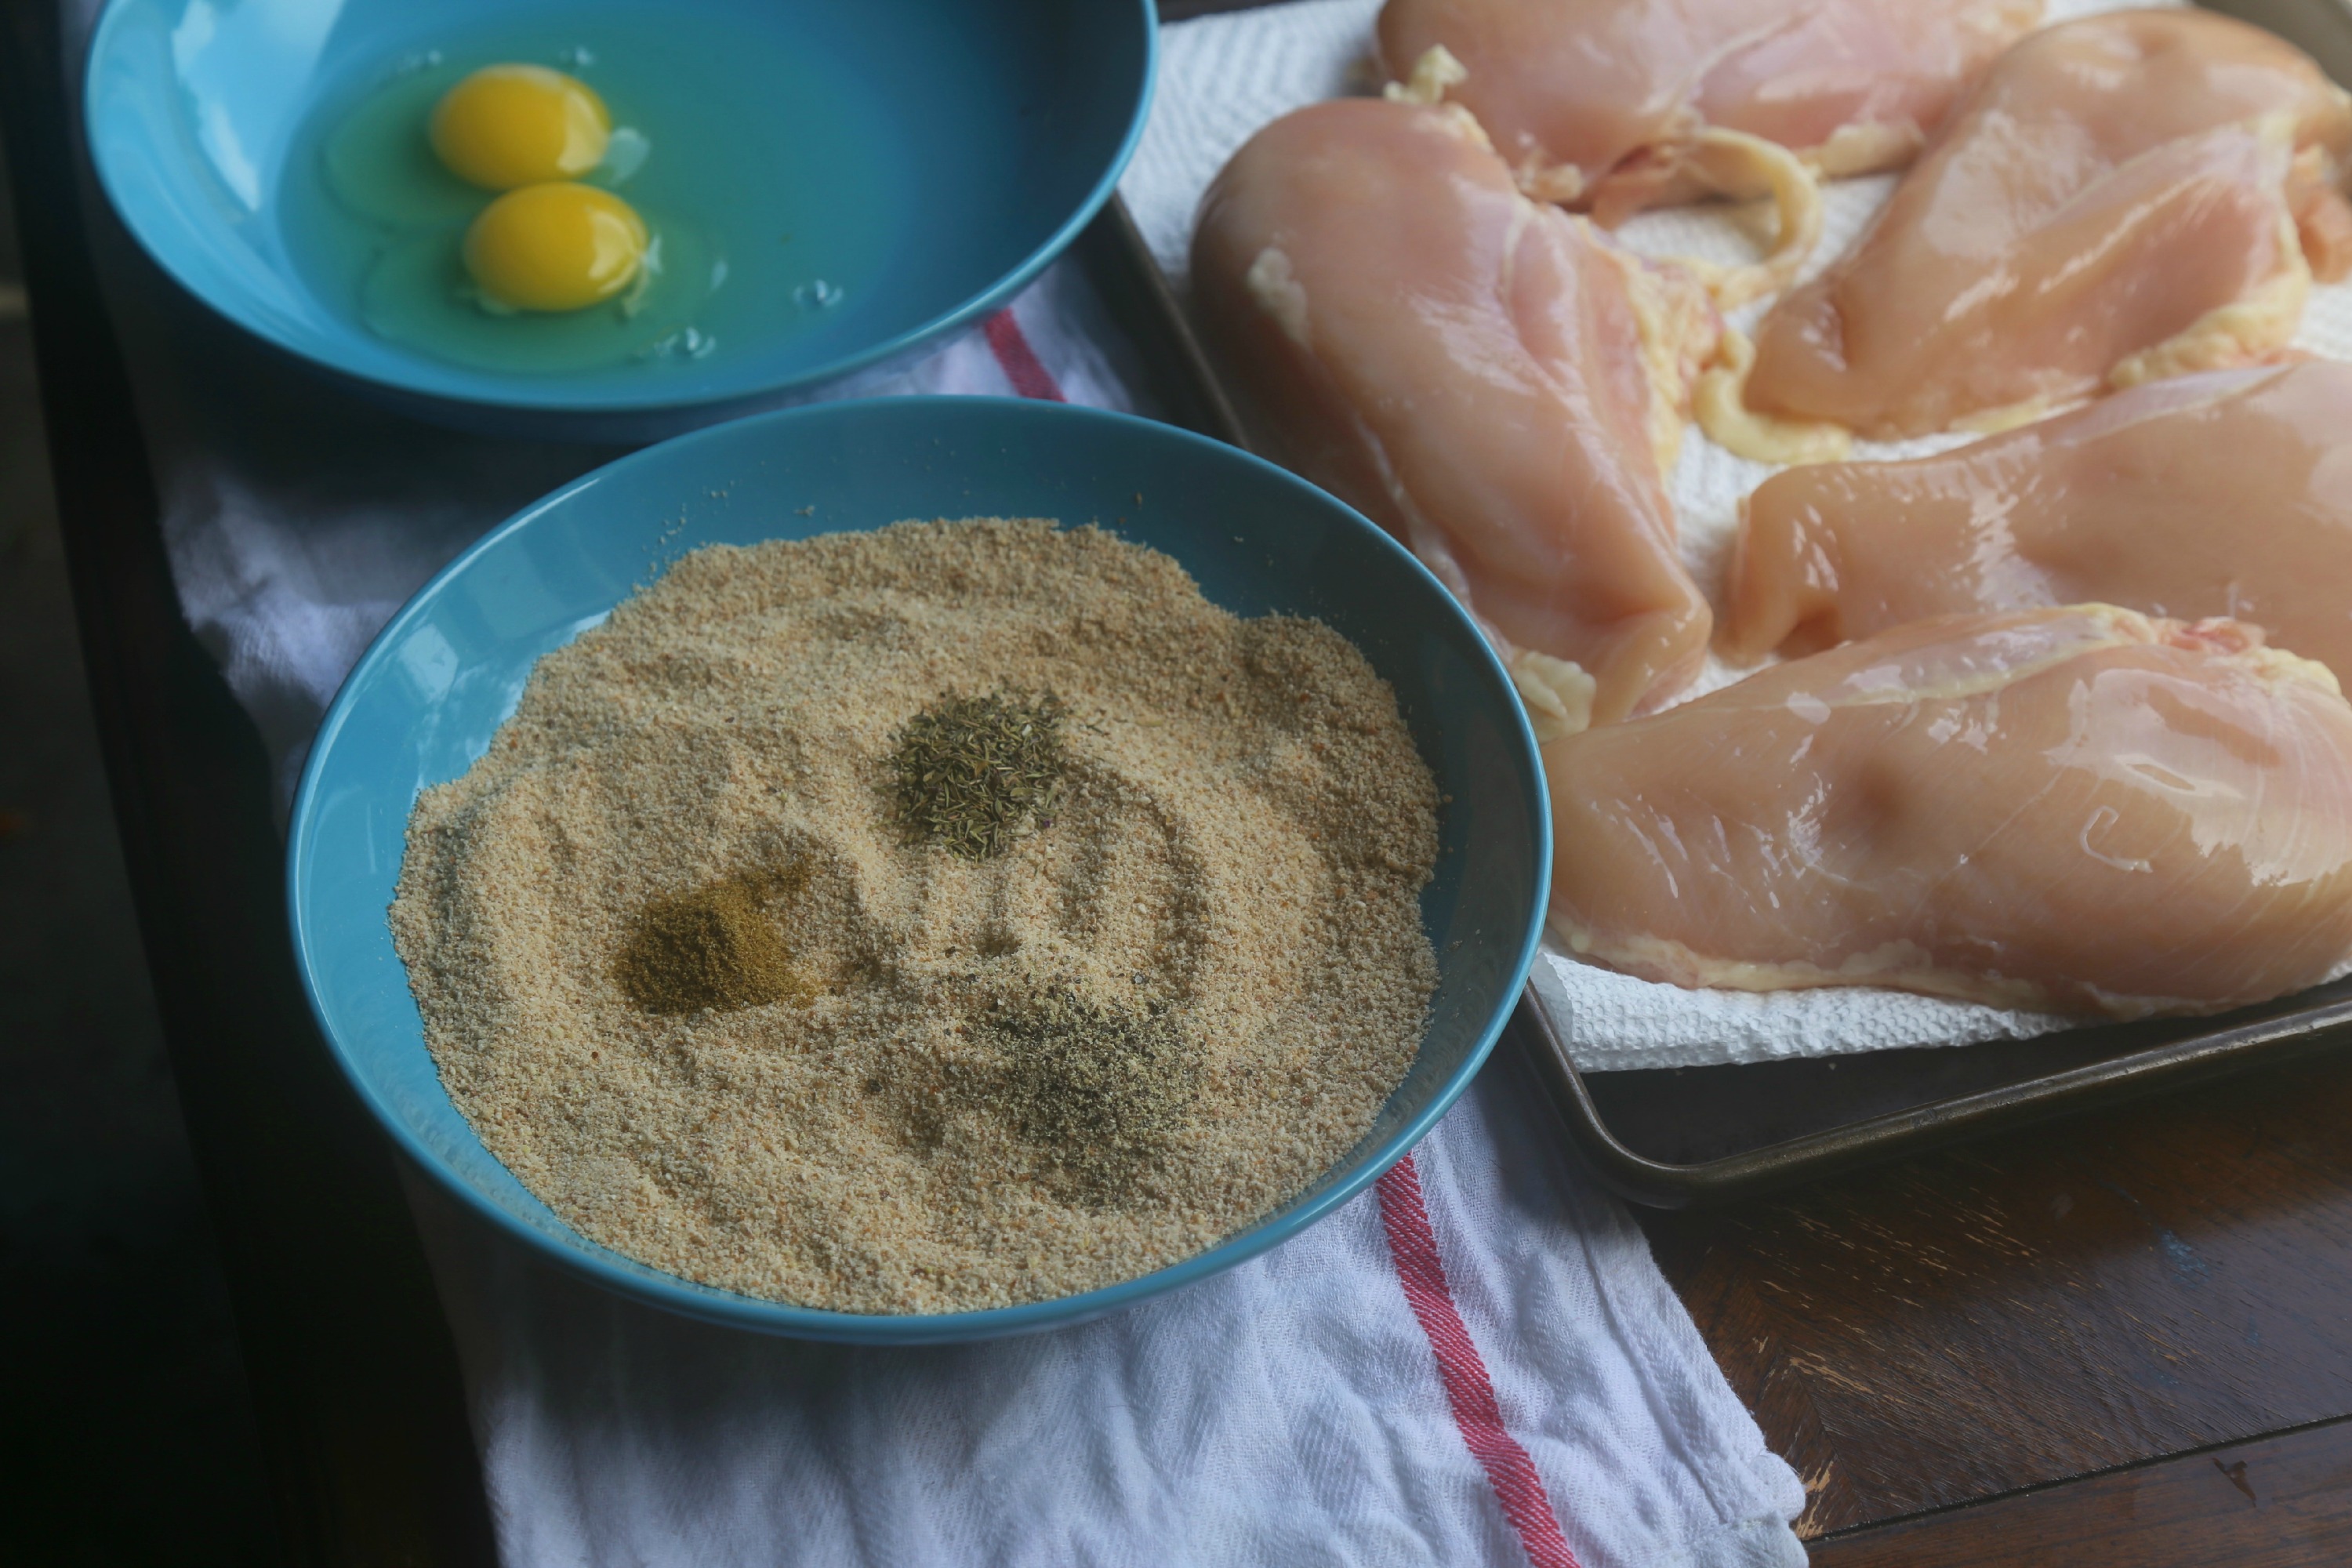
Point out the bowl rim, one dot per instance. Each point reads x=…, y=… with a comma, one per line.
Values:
x=514, y=396
x=589, y=1259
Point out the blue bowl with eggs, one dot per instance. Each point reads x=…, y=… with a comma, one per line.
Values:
x=424, y=702
x=824, y=187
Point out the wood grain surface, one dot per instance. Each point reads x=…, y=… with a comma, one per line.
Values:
x=2278, y=1502
x=354, y=1379
x=2163, y=1276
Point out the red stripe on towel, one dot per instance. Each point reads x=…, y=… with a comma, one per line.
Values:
x=1019, y=361
x=1412, y=1245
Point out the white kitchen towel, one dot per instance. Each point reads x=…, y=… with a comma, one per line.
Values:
x=1222, y=77
x=1478, y=1364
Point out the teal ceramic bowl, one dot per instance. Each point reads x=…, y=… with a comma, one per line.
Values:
x=424, y=702
x=858, y=177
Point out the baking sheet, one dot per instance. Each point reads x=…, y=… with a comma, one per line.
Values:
x=1223, y=77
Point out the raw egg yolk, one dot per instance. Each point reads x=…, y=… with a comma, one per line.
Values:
x=506, y=126
x=557, y=247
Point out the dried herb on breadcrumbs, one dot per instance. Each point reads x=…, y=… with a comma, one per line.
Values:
x=716, y=948
x=972, y=773
x=1099, y=1089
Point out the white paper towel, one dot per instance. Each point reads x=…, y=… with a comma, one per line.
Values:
x=1220, y=78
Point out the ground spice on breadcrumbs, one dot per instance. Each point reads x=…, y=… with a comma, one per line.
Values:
x=687, y=973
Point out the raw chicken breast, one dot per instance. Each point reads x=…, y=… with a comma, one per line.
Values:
x=2224, y=494
x=1607, y=104
x=2078, y=809
x=1488, y=379
x=2123, y=197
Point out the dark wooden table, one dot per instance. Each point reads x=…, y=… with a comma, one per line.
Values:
x=355, y=1381
x=2126, y=1340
